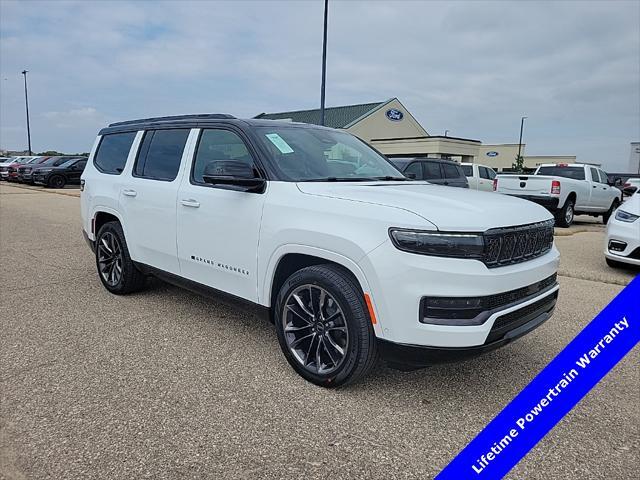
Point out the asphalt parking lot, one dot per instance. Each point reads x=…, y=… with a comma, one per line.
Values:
x=167, y=384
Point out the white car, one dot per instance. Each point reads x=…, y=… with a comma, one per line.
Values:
x=622, y=245
x=480, y=177
x=565, y=190
x=314, y=228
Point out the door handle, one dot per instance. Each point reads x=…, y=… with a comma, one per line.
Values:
x=129, y=193
x=190, y=203
x=595, y=186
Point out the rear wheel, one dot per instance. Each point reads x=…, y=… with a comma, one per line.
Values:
x=323, y=326
x=607, y=215
x=564, y=216
x=116, y=270
x=56, y=181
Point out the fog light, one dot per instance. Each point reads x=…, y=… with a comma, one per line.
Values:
x=441, y=310
x=617, y=246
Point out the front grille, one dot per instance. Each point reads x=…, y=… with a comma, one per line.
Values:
x=506, y=246
x=515, y=319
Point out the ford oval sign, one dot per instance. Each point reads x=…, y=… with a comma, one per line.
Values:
x=492, y=154
x=394, y=115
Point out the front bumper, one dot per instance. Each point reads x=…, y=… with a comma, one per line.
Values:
x=627, y=232
x=398, y=281
x=40, y=179
x=416, y=356
x=550, y=203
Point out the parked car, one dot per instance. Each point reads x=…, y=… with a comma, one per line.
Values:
x=57, y=176
x=9, y=170
x=433, y=170
x=631, y=186
x=622, y=246
x=480, y=177
x=24, y=171
x=566, y=190
x=347, y=267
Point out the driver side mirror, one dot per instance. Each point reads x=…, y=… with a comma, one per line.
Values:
x=229, y=172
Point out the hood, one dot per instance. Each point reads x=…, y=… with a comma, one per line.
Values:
x=448, y=208
x=632, y=204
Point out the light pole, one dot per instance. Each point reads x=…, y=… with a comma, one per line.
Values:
x=520, y=141
x=324, y=61
x=26, y=103
x=445, y=132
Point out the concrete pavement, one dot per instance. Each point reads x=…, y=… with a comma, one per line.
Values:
x=167, y=384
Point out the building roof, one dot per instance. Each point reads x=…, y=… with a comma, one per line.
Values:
x=335, y=117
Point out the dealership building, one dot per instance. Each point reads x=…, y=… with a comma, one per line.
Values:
x=393, y=130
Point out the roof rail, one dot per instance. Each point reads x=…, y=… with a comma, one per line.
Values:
x=198, y=116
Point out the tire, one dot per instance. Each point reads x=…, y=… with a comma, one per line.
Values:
x=347, y=344
x=564, y=216
x=110, y=238
x=607, y=215
x=56, y=181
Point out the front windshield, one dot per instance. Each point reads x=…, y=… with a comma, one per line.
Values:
x=317, y=154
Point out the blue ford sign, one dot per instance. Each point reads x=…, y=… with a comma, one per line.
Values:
x=492, y=154
x=394, y=115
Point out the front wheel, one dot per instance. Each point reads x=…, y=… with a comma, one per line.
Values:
x=607, y=215
x=56, y=181
x=564, y=217
x=323, y=326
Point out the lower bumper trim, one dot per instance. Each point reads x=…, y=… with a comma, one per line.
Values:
x=406, y=356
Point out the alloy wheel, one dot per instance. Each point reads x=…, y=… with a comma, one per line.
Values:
x=568, y=216
x=315, y=329
x=110, y=259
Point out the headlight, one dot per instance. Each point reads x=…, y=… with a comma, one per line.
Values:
x=626, y=216
x=438, y=244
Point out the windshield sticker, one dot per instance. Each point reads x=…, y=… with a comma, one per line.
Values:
x=279, y=142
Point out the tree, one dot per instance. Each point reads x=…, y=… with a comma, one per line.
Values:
x=518, y=166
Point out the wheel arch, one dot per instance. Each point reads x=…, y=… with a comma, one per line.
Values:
x=289, y=259
x=102, y=215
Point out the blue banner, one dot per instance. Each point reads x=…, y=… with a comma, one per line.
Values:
x=553, y=392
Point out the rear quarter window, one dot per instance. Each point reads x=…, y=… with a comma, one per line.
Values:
x=452, y=171
x=432, y=171
x=113, y=151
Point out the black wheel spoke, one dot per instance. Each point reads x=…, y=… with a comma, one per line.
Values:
x=314, y=329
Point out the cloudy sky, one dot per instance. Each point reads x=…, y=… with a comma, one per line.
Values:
x=473, y=68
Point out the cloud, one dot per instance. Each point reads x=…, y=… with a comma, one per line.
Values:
x=470, y=67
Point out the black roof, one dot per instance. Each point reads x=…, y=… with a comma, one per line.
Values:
x=192, y=121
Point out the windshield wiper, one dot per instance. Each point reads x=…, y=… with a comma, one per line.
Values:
x=389, y=178
x=337, y=179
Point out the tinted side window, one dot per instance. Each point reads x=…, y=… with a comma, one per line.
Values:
x=468, y=170
x=604, y=178
x=432, y=171
x=113, y=152
x=451, y=171
x=215, y=146
x=160, y=154
x=484, y=172
x=416, y=169
x=594, y=174
x=492, y=173
x=81, y=164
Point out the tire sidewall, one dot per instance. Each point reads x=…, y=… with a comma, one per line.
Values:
x=354, y=314
x=53, y=184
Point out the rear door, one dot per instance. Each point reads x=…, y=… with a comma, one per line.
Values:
x=433, y=172
x=148, y=198
x=454, y=176
x=219, y=225
x=599, y=192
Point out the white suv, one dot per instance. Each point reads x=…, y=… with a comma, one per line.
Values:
x=348, y=257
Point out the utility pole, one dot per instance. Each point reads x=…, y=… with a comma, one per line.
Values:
x=324, y=61
x=26, y=103
x=520, y=141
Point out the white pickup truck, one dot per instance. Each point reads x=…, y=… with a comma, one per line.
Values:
x=480, y=177
x=565, y=190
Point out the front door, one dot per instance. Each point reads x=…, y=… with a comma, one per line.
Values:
x=218, y=225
